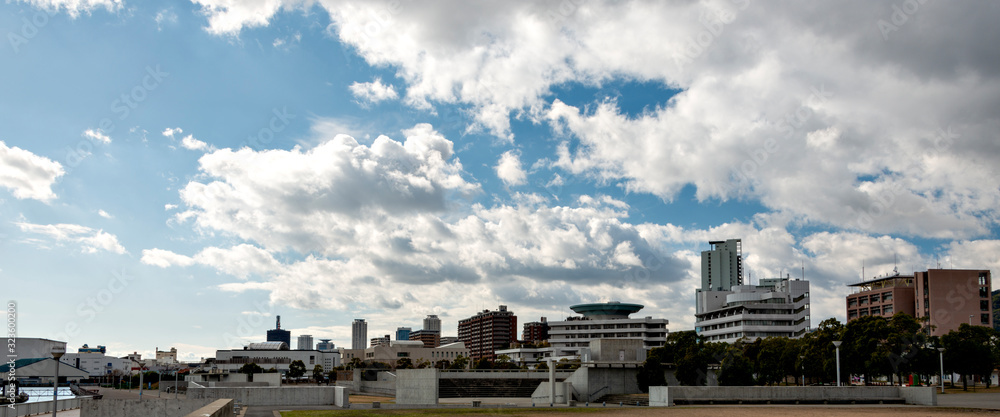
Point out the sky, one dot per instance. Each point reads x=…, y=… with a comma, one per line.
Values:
x=178, y=173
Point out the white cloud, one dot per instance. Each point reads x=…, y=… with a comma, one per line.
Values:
x=28, y=175
x=97, y=135
x=168, y=207
x=91, y=240
x=104, y=214
x=509, y=169
x=189, y=142
x=164, y=258
x=75, y=7
x=229, y=17
x=373, y=92
x=171, y=131
x=162, y=17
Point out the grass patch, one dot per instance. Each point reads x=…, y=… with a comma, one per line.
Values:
x=439, y=412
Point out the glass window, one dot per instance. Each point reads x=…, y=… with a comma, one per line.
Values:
x=852, y=302
x=984, y=318
x=875, y=298
x=876, y=310
x=887, y=296
x=887, y=309
x=863, y=300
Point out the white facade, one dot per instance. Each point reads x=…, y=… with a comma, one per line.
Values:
x=432, y=324
x=778, y=307
x=325, y=345
x=722, y=266
x=359, y=334
x=414, y=350
x=233, y=360
x=533, y=356
x=166, y=357
x=34, y=347
x=97, y=364
x=577, y=333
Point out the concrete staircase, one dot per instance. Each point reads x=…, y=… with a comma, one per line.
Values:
x=487, y=388
x=624, y=399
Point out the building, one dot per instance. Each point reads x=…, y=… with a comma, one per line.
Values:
x=325, y=345
x=942, y=298
x=34, y=347
x=380, y=341
x=276, y=355
x=166, y=356
x=996, y=310
x=447, y=340
x=882, y=296
x=278, y=335
x=722, y=266
x=605, y=321
x=97, y=363
x=39, y=371
x=535, y=331
x=430, y=338
x=411, y=349
x=432, y=323
x=403, y=333
x=488, y=331
x=359, y=334
x=777, y=307
x=305, y=342
x=946, y=298
x=88, y=349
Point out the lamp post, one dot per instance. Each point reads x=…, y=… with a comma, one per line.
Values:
x=176, y=389
x=836, y=344
x=970, y=319
x=941, y=351
x=802, y=367
x=57, y=352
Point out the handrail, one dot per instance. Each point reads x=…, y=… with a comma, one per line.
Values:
x=593, y=394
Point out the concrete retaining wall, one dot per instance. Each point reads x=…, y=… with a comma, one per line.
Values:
x=217, y=408
x=251, y=396
x=147, y=407
x=27, y=409
x=417, y=386
x=342, y=397
x=668, y=396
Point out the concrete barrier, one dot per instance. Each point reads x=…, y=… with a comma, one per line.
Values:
x=342, y=397
x=28, y=409
x=147, y=407
x=251, y=396
x=668, y=396
x=217, y=408
x=417, y=386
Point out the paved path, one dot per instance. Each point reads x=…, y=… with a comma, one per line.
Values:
x=989, y=401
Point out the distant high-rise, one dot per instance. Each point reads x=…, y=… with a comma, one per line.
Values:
x=380, y=341
x=722, y=266
x=403, y=333
x=306, y=342
x=536, y=331
x=325, y=345
x=278, y=335
x=359, y=334
x=432, y=323
x=486, y=332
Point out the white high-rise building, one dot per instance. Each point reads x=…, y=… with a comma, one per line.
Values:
x=722, y=266
x=305, y=342
x=777, y=307
x=432, y=324
x=359, y=334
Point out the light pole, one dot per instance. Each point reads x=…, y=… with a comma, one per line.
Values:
x=970, y=319
x=941, y=351
x=836, y=344
x=57, y=352
x=802, y=367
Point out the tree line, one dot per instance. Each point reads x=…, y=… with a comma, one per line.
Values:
x=873, y=348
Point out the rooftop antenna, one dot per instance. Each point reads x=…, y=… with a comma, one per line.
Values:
x=803, y=263
x=277, y=324
x=862, y=270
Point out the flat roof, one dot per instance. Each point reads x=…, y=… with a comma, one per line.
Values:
x=612, y=308
x=871, y=281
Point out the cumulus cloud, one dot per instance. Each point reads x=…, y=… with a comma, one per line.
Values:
x=89, y=239
x=104, y=214
x=189, y=142
x=509, y=169
x=97, y=135
x=28, y=175
x=171, y=131
x=373, y=92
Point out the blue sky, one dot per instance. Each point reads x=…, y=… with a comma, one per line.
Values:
x=173, y=173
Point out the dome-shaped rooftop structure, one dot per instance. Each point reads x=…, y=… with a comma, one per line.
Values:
x=606, y=311
x=268, y=346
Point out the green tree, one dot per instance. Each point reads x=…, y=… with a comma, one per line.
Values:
x=968, y=351
x=484, y=363
x=770, y=366
x=333, y=376
x=318, y=373
x=296, y=369
x=460, y=362
x=542, y=366
x=736, y=368
x=864, y=351
x=819, y=352
x=251, y=368
x=442, y=364
x=907, y=344
x=651, y=373
x=404, y=363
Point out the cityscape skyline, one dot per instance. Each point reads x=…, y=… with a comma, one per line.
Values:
x=179, y=173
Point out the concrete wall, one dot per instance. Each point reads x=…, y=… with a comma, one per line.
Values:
x=417, y=386
x=217, y=408
x=666, y=396
x=237, y=384
x=591, y=383
x=251, y=396
x=613, y=350
x=147, y=407
x=28, y=409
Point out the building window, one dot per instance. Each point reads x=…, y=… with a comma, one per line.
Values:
x=863, y=300
x=982, y=279
x=887, y=309
x=875, y=298
x=875, y=310
x=984, y=305
x=852, y=302
x=887, y=296
x=984, y=318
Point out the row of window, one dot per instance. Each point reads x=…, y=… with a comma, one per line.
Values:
x=874, y=311
x=873, y=299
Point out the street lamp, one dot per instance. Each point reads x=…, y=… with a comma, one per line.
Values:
x=836, y=344
x=57, y=352
x=970, y=319
x=802, y=366
x=941, y=350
